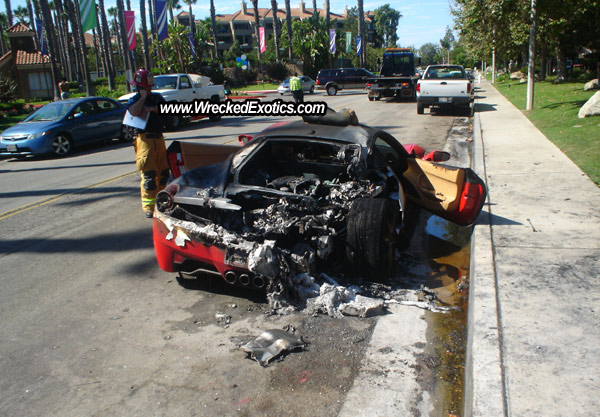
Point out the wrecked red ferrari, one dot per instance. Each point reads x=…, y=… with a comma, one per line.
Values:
x=321, y=194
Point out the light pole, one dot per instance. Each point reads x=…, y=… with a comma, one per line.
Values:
x=531, y=66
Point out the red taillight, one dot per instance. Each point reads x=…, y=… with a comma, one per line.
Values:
x=418, y=87
x=404, y=84
x=368, y=85
x=318, y=82
x=468, y=88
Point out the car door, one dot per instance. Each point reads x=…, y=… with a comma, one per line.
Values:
x=306, y=83
x=187, y=91
x=110, y=118
x=84, y=123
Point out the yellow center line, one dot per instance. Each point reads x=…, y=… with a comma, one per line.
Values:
x=49, y=200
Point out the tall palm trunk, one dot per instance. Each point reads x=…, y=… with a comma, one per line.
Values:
x=151, y=14
x=107, y=46
x=47, y=19
x=96, y=54
x=314, y=7
x=9, y=16
x=33, y=27
x=361, y=32
x=89, y=86
x=144, y=34
x=124, y=45
x=213, y=24
x=256, y=23
x=275, y=29
x=288, y=21
x=328, y=24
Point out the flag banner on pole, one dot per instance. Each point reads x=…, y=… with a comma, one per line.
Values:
x=130, y=26
x=348, y=41
x=191, y=39
x=87, y=11
x=40, y=33
x=332, y=41
x=161, y=19
x=263, y=43
x=358, y=45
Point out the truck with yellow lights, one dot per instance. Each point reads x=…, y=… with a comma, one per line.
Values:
x=397, y=75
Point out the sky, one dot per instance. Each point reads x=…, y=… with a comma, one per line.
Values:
x=422, y=21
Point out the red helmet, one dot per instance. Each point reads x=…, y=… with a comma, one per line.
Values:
x=143, y=78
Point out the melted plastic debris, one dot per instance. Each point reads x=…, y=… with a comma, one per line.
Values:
x=336, y=301
x=271, y=344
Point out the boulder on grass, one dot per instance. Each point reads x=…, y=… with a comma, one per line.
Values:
x=591, y=85
x=591, y=107
x=518, y=75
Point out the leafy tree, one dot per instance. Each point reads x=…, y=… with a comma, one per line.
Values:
x=386, y=24
x=430, y=54
x=447, y=42
x=22, y=14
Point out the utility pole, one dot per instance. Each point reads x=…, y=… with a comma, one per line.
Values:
x=493, y=55
x=531, y=66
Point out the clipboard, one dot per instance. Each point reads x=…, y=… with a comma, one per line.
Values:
x=136, y=121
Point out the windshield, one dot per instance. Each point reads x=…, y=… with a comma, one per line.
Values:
x=165, y=82
x=50, y=112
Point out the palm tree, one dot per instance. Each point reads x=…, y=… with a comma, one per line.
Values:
x=144, y=34
x=32, y=20
x=114, y=13
x=151, y=12
x=107, y=46
x=80, y=40
x=49, y=27
x=361, y=32
x=21, y=13
x=213, y=24
x=9, y=16
x=127, y=62
x=3, y=26
x=314, y=7
x=256, y=23
x=328, y=24
x=192, y=24
x=173, y=4
x=288, y=21
x=275, y=29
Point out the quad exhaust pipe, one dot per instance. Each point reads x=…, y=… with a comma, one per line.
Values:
x=234, y=278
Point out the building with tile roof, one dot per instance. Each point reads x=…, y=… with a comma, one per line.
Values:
x=26, y=65
x=240, y=25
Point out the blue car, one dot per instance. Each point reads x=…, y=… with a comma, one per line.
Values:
x=60, y=126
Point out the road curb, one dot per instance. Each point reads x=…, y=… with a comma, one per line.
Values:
x=484, y=393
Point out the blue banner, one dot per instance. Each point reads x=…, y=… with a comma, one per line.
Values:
x=332, y=41
x=161, y=19
x=40, y=33
x=358, y=45
x=192, y=49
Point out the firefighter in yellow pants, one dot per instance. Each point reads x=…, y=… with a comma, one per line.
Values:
x=151, y=161
x=150, y=151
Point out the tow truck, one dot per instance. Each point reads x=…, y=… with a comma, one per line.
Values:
x=398, y=76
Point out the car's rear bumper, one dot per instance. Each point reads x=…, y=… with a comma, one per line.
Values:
x=443, y=101
x=182, y=252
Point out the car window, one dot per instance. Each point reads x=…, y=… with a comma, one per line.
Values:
x=51, y=111
x=165, y=82
x=106, y=106
x=185, y=82
x=87, y=109
x=351, y=72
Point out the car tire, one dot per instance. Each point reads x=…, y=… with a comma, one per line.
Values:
x=377, y=97
x=127, y=134
x=332, y=90
x=371, y=98
x=174, y=122
x=420, y=108
x=370, y=237
x=312, y=89
x=62, y=144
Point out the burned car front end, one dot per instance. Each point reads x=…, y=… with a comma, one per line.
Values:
x=300, y=198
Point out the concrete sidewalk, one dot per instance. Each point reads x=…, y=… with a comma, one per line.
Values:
x=534, y=308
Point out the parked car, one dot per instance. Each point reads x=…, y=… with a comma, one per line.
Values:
x=445, y=86
x=308, y=84
x=60, y=126
x=333, y=80
x=324, y=193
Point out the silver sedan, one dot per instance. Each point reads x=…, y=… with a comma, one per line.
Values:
x=308, y=84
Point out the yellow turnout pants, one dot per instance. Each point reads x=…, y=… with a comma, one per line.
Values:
x=151, y=161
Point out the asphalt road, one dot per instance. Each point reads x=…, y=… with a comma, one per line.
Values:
x=91, y=326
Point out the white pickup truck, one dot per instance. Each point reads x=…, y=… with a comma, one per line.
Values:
x=184, y=88
x=445, y=85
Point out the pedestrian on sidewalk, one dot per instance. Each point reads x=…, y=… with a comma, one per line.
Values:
x=150, y=149
x=64, y=88
x=296, y=88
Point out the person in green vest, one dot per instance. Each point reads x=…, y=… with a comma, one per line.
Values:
x=296, y=88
